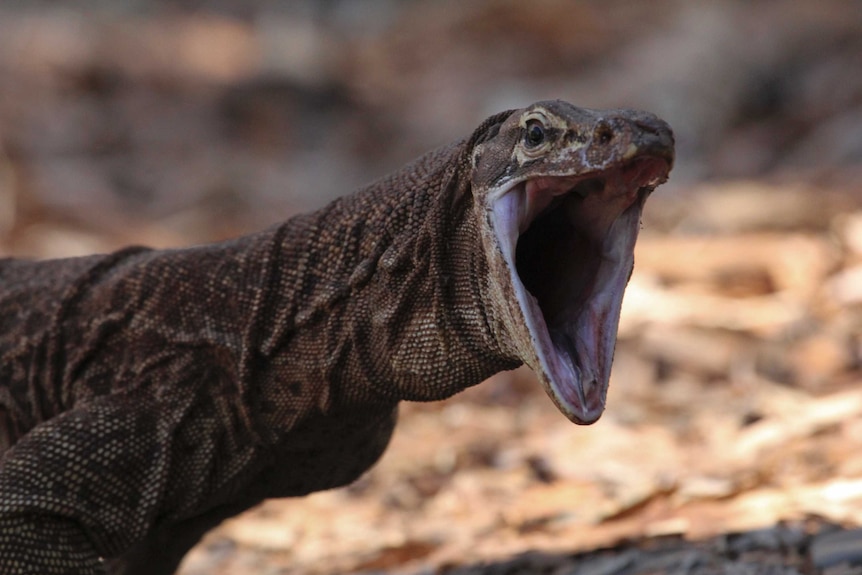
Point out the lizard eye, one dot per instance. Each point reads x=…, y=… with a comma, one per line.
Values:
x=535, y=134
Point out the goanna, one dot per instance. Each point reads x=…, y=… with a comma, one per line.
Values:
x=147, y=395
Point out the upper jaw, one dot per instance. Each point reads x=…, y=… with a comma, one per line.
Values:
x=568, y=246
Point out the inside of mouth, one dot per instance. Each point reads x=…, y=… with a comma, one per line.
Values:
x=558, y=257
x=569, y=244
x=558, y=264
x=558, y=261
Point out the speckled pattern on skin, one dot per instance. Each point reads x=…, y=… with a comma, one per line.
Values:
x=147, y=395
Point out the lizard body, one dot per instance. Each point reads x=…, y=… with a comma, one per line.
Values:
x=147, y=395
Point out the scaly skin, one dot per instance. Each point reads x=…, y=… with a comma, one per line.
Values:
x=147, y=395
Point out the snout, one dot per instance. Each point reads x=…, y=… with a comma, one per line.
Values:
x=626, y=135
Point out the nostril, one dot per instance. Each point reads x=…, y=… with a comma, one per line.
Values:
x=603, y=133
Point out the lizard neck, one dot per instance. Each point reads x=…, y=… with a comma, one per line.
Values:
x=386, y=288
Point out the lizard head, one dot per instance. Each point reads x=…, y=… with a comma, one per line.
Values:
x=560, y=191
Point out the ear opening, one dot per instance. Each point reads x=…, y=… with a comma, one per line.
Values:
x=488, y=129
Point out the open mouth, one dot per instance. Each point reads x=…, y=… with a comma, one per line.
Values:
x=569, y=245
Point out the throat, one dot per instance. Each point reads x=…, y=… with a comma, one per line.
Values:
x=558, y=264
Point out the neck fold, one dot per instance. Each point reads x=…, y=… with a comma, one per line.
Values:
x=380, y=294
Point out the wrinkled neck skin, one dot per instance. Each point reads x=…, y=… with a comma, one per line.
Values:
x=393, y=283
x=379, y=297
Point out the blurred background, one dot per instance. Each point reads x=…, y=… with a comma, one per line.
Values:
x=735, y=402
